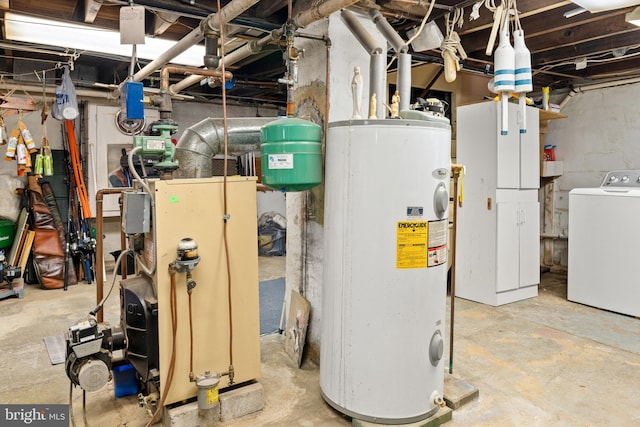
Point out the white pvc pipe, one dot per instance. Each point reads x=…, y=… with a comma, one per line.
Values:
x=606, y=85
x=360, y=33
x=211, y=22
x=237, y=55
x=388, y=31
x=301, y=20
x=377, y=68
x=322, y=10
x=403, y=82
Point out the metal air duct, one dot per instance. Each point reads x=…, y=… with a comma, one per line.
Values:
x=203, y=140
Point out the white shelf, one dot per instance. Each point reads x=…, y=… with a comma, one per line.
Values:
x=551, y=168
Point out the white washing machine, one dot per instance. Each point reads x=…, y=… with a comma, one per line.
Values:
x=604, y=244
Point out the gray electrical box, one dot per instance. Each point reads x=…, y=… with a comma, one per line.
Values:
x=136, y=212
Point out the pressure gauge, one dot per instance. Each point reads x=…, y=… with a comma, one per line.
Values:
x=129, y=126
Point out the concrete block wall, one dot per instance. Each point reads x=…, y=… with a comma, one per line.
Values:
x=601, y=133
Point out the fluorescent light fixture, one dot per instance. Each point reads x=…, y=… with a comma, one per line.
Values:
x=93, y=39
x=633, y=17
x=594, y=6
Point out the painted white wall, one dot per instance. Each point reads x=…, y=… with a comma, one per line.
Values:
x=305, y=232
x=600, y=134
x=272, y=201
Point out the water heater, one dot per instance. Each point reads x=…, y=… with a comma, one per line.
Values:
x=385, y=267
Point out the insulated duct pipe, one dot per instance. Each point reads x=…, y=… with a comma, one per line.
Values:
x=200, y=142
x=208, y=25
x=377, y=61
x=605, y=85
x=301, y=20
x=403, y=82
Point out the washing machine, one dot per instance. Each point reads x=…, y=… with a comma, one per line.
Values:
x=604, y=244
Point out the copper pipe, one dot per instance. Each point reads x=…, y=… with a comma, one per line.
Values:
x=163, y=101
x=99, y=244
x=164, y=74
x=456, y=170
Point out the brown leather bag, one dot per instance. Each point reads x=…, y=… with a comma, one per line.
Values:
x=48, y=254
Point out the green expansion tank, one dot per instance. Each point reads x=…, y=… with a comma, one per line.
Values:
x=291, y=154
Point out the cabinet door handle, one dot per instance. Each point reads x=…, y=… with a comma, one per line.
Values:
x=523, y=216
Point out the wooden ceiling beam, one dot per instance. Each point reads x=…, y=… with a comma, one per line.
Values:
x=591, y=48
x=527, y=8
x=267, y=8
x=615, y=68
x=579, y=35
x=544, y=27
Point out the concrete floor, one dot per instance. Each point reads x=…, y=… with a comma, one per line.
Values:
x=541, y=362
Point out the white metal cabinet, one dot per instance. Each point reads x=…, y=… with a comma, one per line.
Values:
x=498, y=250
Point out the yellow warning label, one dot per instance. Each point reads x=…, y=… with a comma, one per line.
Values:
x=212, y=396
x=411, y=244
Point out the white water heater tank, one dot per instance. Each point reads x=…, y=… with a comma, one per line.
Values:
x=385, y=267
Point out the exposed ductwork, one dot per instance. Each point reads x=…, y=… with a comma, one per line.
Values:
x=377, y=63
x=201, y=142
